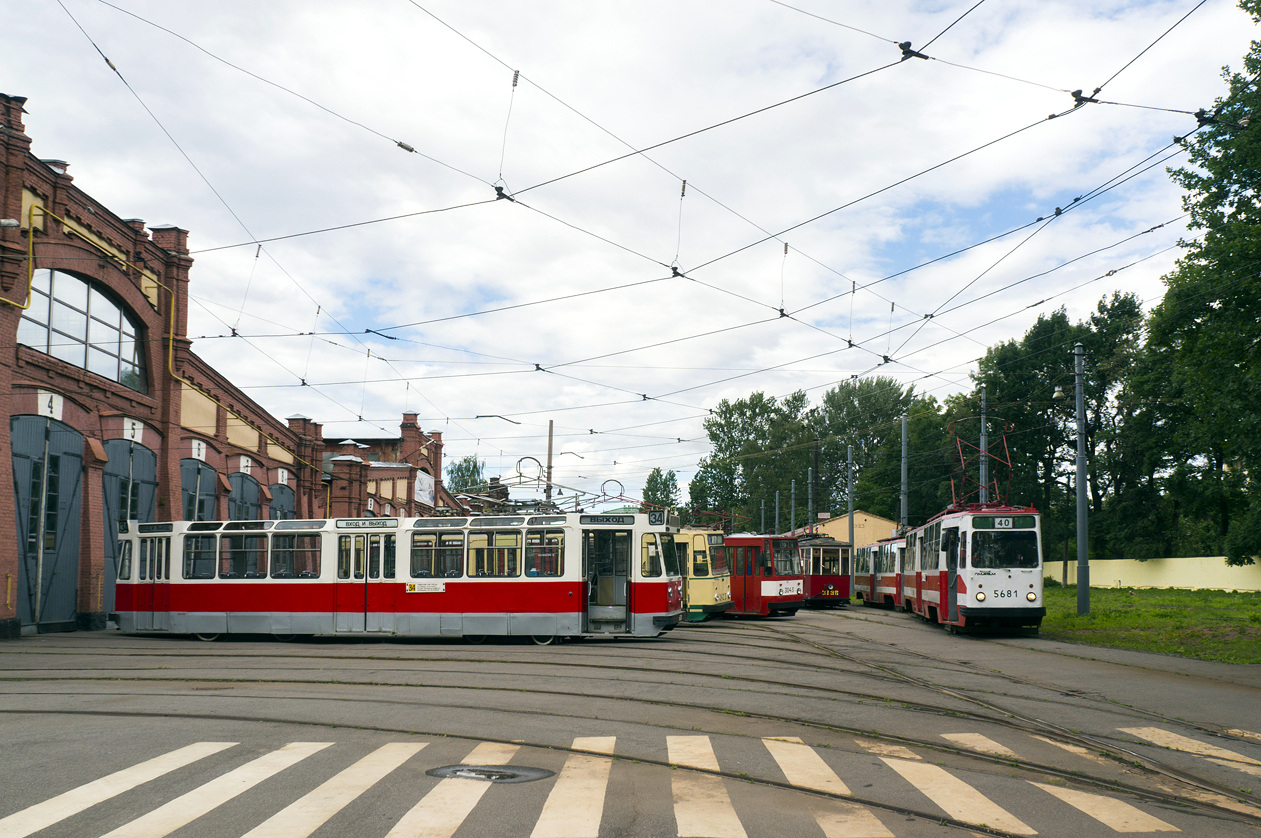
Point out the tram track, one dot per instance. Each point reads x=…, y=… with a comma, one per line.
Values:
x=1033, y=726
x=462, y=680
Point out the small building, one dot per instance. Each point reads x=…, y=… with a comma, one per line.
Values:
x=868, y=528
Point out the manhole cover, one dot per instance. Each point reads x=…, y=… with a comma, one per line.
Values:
x=492, y=773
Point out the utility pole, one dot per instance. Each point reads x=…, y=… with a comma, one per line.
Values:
x=985, y=456
x=1083, y=553
x=904, y=479
x=547, y=492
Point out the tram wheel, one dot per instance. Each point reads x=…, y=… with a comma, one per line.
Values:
x=206, y=636
x=283, y=637
x=475, y=639
x=543, y=639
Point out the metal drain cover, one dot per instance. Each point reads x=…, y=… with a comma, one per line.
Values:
x=492, y=773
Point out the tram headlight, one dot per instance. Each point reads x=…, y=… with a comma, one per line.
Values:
x=1031, y=596
x=980, y=596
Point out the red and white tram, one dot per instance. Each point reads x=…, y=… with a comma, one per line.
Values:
x=825, y=570
x=977, y=565
x=765, y=575
x=542, y=576
x=879, y=571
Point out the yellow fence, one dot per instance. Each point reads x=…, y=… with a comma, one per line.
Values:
x=1192, y=573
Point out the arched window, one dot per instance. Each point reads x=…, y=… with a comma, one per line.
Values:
x=245, y=501
x=75, y=320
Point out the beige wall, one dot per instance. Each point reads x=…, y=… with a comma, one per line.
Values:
x=1205, y=572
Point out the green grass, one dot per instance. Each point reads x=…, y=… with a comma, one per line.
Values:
x=1207, y=625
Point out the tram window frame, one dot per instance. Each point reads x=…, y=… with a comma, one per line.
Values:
x=444, y=554
x=350, y=555
x=243, y=555
x=719, y=563
x=494, y=554
x=544, y=553
x=650, y=564
x=124, y=561
x=200, y=553
x=296, y=555
x=377, y=546
x=785, y=557
x=699, y=561
x=669, y=555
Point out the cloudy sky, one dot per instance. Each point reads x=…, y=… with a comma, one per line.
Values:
x=835, y=194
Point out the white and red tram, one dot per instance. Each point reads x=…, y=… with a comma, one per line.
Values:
x=976, y=565
x=878, y=572
x=542, y=576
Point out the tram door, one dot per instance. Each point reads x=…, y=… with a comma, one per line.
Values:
x=364, y=562
x=153, y=571
x=606, y=567
x=950, y=538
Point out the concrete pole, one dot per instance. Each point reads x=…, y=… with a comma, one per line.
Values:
x=1083, y=553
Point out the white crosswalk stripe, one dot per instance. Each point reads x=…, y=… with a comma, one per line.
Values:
x=42, y=815
x=955, y=797
x=575, y=806
x=313, y=810
x=186, y=808
x=702, y=807
x=1177, y=742
x=1114, y=814
x=441, y=812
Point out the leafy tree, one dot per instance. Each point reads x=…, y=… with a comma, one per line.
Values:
x=1205, y=336
x=465, y=475
x=661, y=490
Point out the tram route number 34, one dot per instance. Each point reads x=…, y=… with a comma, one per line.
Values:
x=426, y=587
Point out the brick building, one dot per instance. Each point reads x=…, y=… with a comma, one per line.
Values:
x=112, y=416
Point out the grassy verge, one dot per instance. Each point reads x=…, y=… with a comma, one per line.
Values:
x=1208, y=625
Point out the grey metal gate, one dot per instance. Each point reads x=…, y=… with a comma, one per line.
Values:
x=130, y=487
x=47, y=477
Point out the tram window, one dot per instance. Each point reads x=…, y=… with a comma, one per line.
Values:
x=1005, y=549
x=606, y=552
x=243, y=556
x=388, y=560
x=494, y=553
x=374, y=557
x=700, y=563
x=295, y=556
x=718, y=561
x=124, y=561
x=670, y=555
x=650, y=556
x=350, y=550
x=437, y=554
x=787, y=559
x=199, y=556
x=544, y=553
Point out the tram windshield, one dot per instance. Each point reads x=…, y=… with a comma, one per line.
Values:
x=1005, y=549
x=718, y=561
x=787, y=559
x=670, y=554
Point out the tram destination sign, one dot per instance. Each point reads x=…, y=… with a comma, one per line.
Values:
x=426, y=587
x=609, y=520
x=367, y=523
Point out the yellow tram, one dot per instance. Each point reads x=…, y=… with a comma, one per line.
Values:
x=706, y=573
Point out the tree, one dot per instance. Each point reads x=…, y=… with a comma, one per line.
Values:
x=465, y=475
x=1205, y=336
x=661, y=490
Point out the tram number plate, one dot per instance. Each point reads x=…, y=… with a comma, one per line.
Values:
x=1004, y=594
x=1002, y=523
x=426, y=587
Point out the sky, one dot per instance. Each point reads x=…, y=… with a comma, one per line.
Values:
x=702, y=200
